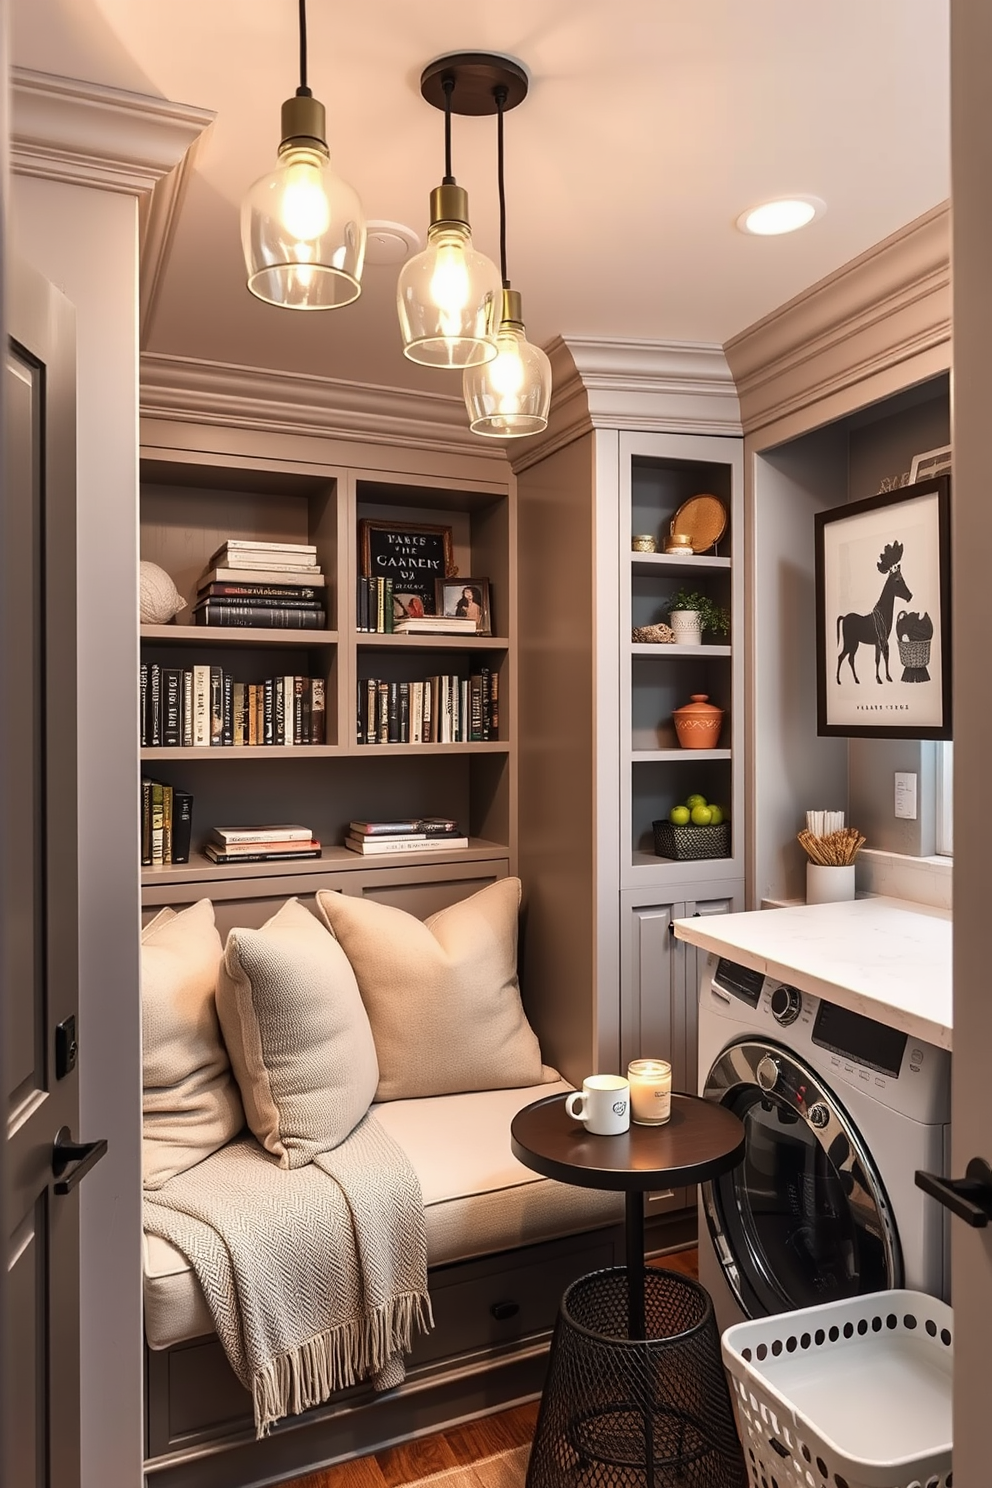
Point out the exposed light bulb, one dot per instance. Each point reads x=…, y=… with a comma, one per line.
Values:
x=509, y=397
x=449, y=281
x=304, y=210
x=507, y=374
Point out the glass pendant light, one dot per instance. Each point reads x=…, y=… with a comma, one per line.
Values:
x=302, y=227
x=510, y=396
x=448, y=296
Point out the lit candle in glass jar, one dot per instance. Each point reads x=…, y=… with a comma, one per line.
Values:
x=650, y=1091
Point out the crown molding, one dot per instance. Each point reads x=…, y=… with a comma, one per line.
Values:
x=887, y=307
x=86, y=134
x=221, y=395
x=652, y=386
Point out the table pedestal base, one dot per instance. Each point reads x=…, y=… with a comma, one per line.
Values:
x=649, y=1412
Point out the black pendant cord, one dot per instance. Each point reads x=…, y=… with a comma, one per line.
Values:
x=500, y=95
x=448, y=84
x=303, y=91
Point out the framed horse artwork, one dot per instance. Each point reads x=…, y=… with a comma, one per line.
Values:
x=883, y=615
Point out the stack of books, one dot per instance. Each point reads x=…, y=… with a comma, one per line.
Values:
x=186, y=707
x=271, y=585
x=166, y=824
x=261, y=844
x=415, y=834
x=434, y=625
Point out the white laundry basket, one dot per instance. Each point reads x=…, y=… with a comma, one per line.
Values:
x=853, y=1394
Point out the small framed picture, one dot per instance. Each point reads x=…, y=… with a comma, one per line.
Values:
x=931, y=463
x=414, y=555
x=465, y=599
x=883, y=615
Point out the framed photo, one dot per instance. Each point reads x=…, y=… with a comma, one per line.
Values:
x=930, y=464
x=465, y=599
x=883, y=615
x=415, y=555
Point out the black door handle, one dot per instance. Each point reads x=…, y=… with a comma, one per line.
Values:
x=71, y=1160
x=970, y=1197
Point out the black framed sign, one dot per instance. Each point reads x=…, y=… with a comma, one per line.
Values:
x=413, y=554
x=883, y=615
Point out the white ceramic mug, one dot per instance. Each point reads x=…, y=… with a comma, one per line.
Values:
x=603, y=1104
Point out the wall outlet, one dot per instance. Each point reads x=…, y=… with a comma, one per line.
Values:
x=905, y=795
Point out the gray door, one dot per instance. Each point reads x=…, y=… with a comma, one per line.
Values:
x=38, y=943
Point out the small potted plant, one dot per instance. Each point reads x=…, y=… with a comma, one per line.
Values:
x=691, y=613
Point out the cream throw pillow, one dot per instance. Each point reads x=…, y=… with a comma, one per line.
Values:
x=441, y=994
x=298, y=1035
x=190, y=1101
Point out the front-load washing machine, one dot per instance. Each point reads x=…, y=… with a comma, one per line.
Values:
x=840, y=1111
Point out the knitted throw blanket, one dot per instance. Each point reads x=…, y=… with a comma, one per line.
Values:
x=315, y=1276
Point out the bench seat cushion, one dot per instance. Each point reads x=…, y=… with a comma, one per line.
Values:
x=478, y=1199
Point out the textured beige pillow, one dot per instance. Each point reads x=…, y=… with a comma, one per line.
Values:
x=441, y=994
x=298, y=1035
x=190, y=1101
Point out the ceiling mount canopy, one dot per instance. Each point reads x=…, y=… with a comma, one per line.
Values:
x=449, y=297
x=302, y=227
x=510, y=396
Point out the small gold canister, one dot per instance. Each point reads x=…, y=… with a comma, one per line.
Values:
x=643, y=543
x=679, y=542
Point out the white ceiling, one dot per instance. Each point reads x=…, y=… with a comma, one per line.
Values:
x=650, y=125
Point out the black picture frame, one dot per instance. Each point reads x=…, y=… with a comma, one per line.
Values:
x=449, y=597
x=883, y=670
x=413, y=554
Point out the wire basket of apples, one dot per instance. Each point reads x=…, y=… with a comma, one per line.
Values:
x=695, y=828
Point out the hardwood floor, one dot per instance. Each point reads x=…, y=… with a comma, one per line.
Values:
x=396, y=1467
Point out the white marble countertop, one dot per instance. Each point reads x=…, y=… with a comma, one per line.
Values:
x=886, y=958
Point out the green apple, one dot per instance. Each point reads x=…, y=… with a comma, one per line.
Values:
x=679, y=816
x=702, y=816
x=697, y=800
x=716, y=816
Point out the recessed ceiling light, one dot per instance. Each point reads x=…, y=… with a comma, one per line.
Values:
x=783, y=216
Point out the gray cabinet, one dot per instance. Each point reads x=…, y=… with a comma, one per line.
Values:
x=660, y=977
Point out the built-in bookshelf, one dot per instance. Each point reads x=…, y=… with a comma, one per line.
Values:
x=191, y=503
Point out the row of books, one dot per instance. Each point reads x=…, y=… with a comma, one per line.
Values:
x=439, y=710
x=166, y=824
x=414, y=834
x=203, y=705
x=261, y=844
x=275, y=586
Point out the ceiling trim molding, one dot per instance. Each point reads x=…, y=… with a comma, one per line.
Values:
x=652, y=386
x=86, y=134
x=221, y=395
x=888, y=306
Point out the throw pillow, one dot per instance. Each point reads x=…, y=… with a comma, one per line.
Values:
x=298, y=1035
x=441, y=994
x=190, y=1102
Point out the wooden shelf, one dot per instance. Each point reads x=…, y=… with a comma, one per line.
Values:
x=370, y=639
x=651, y=756
x=236, y=635
x=332, y=860
x=673, y=652
x=661, y=565
x=225, y=753
x=715, y=867
x=477, y=746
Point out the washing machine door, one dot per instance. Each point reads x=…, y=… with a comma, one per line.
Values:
x=804, y=1219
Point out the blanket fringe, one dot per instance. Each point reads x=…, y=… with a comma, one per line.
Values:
x=309, y=1375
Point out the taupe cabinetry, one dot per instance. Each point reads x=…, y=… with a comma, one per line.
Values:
x=660, y=977
x=190, y=503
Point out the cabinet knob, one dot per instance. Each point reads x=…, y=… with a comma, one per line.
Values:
x=503, y=1311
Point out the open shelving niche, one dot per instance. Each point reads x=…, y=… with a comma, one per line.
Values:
x=657, y=678
x=190, y=503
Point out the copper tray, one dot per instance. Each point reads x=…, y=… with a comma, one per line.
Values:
x=703, y=519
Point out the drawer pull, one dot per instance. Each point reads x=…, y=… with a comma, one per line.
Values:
x=503, y=1311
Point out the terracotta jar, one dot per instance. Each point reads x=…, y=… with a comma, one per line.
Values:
x=698, y=723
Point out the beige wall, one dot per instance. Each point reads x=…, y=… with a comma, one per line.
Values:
x=85, y=242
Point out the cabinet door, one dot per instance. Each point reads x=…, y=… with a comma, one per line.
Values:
x=649, y=956
x=726, y=899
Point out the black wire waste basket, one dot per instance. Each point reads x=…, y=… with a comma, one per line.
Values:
x=636, y=1413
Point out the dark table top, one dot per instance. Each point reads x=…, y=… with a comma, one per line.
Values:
x=701, y=1141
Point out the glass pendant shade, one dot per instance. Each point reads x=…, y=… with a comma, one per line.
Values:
x=510, y=396
x=302, y=227
x=448, y=296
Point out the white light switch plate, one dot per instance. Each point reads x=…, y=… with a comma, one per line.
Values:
x=905, y=795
